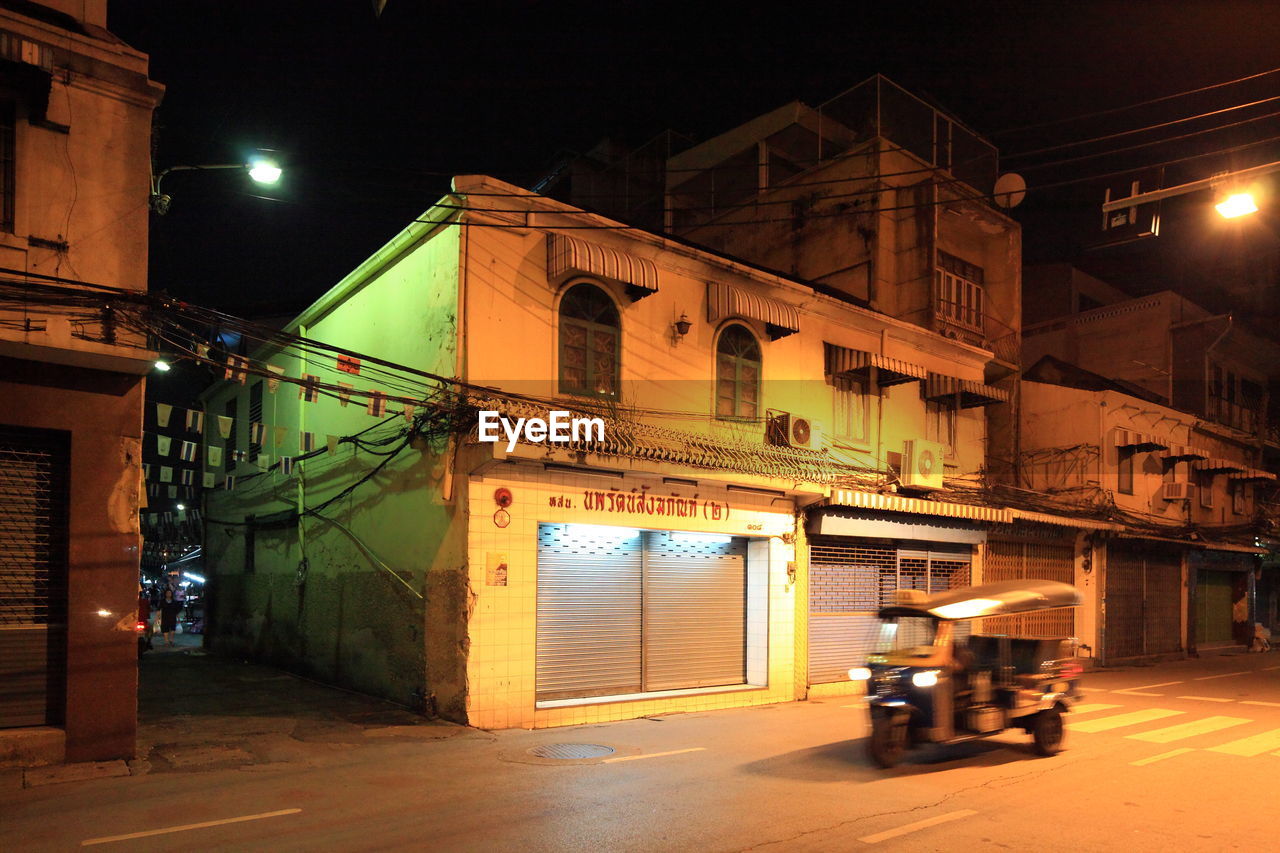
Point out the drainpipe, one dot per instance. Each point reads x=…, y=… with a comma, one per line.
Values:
x=1209, y=349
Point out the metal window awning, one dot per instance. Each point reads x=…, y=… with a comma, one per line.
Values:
x=1217, y=465
x=1252, y=474
x=725, y=300
x=918, y=506
x=1063, y=520
x=970, y=392
x=567, y=255
x=1184, y=452
x=1141, y=441
x=856, y=364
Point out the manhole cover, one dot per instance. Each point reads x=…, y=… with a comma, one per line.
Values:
x=570, y=751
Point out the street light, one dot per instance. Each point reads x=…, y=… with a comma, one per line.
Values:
x=262, y=170
x=1236, y=204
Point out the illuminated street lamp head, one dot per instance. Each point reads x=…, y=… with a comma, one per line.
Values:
x=163, y=366
x=264, y=171
x=1237, y=204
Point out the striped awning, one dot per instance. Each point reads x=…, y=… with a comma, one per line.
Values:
x=1138, y=440
x=970, y=392
x=725, y=300
x=1217, y=465
x=898, y=503
x=1252, y=474
x=569, y=254
x=1184, y=452
x=856, y=364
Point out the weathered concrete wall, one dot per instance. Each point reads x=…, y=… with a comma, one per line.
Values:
x=102, y=414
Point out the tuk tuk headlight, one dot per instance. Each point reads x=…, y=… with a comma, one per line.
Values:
x=927, y=678
x=859, y=673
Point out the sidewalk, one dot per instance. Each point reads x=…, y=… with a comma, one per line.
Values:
x=198, y=711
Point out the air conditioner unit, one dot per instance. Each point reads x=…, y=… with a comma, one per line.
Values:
x=806, y=433
x=921, y=464
x=777, y=428
x=1176, y=491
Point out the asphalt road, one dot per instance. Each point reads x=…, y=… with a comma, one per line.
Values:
x=1179, y=756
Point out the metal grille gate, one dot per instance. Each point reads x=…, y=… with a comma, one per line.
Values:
x=1143, y=600
x=33, y=575
x=1022, y=560
x=848, y=583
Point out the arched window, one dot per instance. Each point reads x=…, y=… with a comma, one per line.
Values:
x=737, y=374
x=589, y=342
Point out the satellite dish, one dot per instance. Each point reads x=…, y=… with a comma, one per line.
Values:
x=1011, y=189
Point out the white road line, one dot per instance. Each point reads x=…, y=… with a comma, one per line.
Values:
x=915, y=827
x=203, y=825
x=653, y=755
x=1089, y=709
x=1135, y=693
x=1116, y=721
x=1182, y=731
x=1173, y=753
x=1269, y=668
x=1093, y=690
x=1206, y=698
x=1224, y=675
x=1147, y=686
x=1250, y=746
x=1259, y=702
x=855, y=705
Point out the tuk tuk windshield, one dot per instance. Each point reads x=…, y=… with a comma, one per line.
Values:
x=906, y=634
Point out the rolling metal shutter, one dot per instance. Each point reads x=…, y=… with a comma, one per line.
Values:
x=33, y=576
x=695, y=618
x=1143, y=601
x=850, y=580
x=589, y=599
x=1027, y=560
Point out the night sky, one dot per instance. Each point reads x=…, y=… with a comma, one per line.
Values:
x=371, y=114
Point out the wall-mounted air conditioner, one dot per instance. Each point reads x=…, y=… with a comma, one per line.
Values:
x=787, y=430
x=921, y=464
x=1176, y=491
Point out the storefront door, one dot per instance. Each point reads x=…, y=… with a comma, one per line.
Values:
x=1214, y=597
x=1143, y=600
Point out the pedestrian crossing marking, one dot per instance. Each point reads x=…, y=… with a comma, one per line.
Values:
x=1089, y=709
x=1206, y=698
x=1116, y=721
x=1173, y=753
x=1224, y=675
x=1135, y=693
x=1192, y=729
x=1148, y=686
x=1257, y=702
x=1250, y=746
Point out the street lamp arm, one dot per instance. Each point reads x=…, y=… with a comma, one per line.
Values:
x=155, y=182
x=1182, y=189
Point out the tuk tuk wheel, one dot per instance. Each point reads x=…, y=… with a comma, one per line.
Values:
x=1046, y=732
x=888, y=741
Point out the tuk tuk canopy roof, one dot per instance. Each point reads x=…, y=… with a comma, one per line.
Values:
x=992, y=599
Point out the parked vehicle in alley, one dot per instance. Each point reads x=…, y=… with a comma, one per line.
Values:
x=928, y=683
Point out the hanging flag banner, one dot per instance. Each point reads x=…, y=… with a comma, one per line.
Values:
x=239, y=455
x=349, y=364
x=195, y=420
x=209, y=479
x=257, y=434
x=188, y=476
x=153, y=490
x=306, y=441
x=202, y=350
x=264, y=462
x=188, y=453
x=237, y=369
x=163, y=411
x=214, y=456
x=344, y=393
x=173, y=491
x=377, y=403
x=166, y=474
x=332, y=442
x=273, y=382
x=163, y=444
x=182, y=515
x=230, y=482
x=286, y=465
x=280, y=434
x=408, y=412
x=224, y=426
x=308, y=392
x=146, y=470
x=142, y=492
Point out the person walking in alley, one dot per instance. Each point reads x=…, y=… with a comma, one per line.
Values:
x=170, y=607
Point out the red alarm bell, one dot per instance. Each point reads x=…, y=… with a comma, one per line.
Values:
x=502, y=497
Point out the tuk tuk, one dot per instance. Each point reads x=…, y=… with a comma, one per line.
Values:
x=927, y=683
